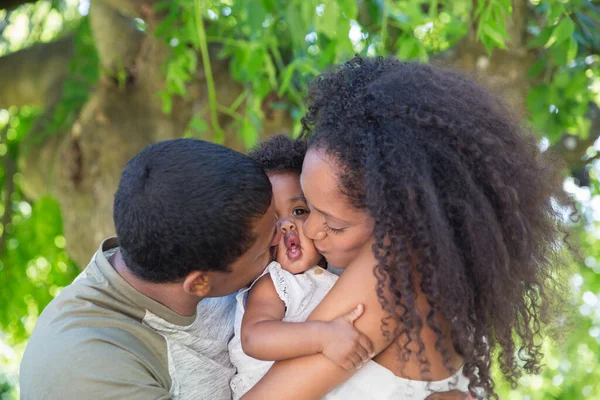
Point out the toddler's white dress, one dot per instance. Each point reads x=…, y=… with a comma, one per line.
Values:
x=301, y=293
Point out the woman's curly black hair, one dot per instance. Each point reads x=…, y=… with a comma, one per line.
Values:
x=462, y=199
x=280, y=154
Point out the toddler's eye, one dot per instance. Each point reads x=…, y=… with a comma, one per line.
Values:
x=299, y=211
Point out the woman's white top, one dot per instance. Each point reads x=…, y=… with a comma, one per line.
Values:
x=301, y=293
x=375, y=382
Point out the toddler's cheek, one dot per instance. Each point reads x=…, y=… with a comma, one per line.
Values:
x=280, y=253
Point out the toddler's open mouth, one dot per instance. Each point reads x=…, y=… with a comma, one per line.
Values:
x=292, y=244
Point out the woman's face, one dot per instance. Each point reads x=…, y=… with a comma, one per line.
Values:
x=338, y=229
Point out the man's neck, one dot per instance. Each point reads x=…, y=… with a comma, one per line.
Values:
x=170, y=295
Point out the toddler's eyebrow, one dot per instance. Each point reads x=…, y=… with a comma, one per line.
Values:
x=301, y=197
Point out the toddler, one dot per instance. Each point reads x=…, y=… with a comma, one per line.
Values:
x=270, y=321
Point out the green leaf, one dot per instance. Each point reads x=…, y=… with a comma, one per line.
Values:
x=256, y=15
x=536, y=99
x=408, y=48
x=555, y=10
x=583, y=126
x=561, y=32
x=541, y=37
x=198, y=124
x=506, y=6
x=249, y=133
x=348, y=8
x=255, y=61
x=480, y=8
x=537, y=68
x=497, y=36
x=558, y=52
x=270, y=69
x=167, y=101
x=572, y=51
x=287, y=78
x=270, y=5
x=327, y=24
x=293, y=20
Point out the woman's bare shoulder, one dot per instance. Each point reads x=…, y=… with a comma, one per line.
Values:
x=358, y=284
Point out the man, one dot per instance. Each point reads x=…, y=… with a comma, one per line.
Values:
x=194, y=221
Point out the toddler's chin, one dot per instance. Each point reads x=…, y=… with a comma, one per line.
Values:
x=294, y=268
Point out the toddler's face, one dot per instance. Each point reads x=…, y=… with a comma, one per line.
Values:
x=295, y=252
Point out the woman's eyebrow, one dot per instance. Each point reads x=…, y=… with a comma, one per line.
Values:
x=323, y=212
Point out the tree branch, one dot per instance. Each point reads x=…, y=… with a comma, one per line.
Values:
x=115, y=35
x=34, y=76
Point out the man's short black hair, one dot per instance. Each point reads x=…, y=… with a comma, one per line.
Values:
x=184, y=205
x=280, y=154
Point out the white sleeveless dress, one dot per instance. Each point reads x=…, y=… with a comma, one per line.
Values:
x=300, y=293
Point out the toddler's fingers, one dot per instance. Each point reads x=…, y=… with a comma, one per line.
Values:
x=354, y=314
x=367, y=344
x=348, y=365
x=355, y=360
x=362, y=353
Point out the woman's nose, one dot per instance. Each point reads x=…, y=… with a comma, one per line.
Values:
x=286, y=225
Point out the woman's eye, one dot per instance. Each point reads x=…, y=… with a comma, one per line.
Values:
x=329, y=229
x=299, y=211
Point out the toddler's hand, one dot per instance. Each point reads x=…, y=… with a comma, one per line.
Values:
x=343, y=344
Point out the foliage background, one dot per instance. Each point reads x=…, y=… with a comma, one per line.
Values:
x=77, y=79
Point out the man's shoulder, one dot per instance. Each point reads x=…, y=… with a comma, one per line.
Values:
x=91, y=330
x=94, y=363
x=89, y=312
x=93, y=347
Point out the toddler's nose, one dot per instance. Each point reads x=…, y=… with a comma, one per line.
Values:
x=286, y=225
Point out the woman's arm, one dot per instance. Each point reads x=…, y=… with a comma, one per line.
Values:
x=312, y=377
x=265, y=336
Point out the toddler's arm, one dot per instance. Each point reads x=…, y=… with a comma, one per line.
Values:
x=266, y=337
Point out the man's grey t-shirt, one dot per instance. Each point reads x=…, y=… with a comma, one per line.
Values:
x=102, y=339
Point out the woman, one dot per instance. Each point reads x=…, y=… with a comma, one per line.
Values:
x=439, y=207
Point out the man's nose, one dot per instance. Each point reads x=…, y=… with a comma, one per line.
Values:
x=286, y=225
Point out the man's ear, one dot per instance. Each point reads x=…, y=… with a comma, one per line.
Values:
x=198, y=283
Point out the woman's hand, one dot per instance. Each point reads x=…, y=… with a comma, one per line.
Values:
x=343, y=344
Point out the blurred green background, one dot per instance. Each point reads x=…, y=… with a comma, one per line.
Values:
x=86, y=84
